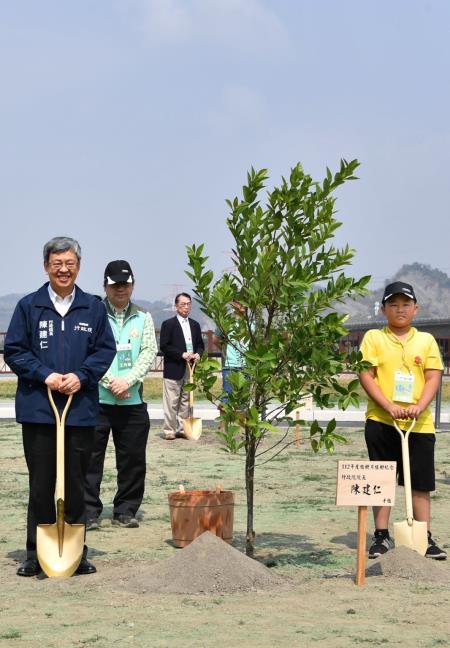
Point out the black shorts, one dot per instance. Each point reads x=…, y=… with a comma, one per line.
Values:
x=384, y=444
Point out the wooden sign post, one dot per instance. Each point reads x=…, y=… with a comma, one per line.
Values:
x=361, y=546
x=364, y=483
x=303, y=411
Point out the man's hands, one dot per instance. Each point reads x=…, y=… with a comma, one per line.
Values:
x=64, y=383
x=119, y=388
x=53, y=381
x=70, y=384
x=190, y=356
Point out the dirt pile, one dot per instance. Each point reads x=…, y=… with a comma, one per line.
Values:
x=403, y=562
x=207, y=565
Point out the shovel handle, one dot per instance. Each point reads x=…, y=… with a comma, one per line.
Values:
x=406, y=469
x=404, y=434
x=60, y=419
x=60, y=424
x=191, y=366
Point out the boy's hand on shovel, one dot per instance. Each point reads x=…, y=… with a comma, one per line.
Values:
x=413, y=411
x=397, y=412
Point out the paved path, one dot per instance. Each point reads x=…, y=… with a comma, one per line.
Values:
x=207, y=412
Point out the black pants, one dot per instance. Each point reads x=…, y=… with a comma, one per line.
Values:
x=39, y=443
x=130, y=426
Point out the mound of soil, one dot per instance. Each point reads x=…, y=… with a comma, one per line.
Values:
x=207, y=565
x=403, y=562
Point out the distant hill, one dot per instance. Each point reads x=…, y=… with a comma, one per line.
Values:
x=159, y=310
x=432, y=287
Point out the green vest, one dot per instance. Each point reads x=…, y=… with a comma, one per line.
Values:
x=130, y=334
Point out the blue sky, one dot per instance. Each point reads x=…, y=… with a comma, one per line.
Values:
x=126, y=124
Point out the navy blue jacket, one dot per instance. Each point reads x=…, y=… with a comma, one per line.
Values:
x=39, y=342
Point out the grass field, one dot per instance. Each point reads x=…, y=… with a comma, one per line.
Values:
x=299, y=531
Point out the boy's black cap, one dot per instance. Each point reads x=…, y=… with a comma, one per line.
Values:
x=118, y=272
x=398, y=288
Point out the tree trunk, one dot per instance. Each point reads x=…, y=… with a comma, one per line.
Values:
x=250, y=455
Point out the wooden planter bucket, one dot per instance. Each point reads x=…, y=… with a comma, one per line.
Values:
x=193, y=512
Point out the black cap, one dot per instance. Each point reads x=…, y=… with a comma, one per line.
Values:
x=398, y=288
x=118, y=272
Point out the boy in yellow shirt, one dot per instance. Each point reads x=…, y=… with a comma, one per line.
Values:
x=402, y=382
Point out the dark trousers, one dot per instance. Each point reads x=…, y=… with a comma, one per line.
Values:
x=130, y=426
x=39, y=443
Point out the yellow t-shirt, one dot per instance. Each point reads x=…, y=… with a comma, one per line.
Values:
x=385, y=351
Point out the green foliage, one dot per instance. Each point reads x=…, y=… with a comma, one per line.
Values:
x=289, y=276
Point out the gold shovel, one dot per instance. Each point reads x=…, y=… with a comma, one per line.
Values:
x=60, y=545
x=192, y=426
x=410, y=532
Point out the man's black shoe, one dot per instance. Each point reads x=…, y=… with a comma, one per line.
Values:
x=85, y=567
x=127, y=521
x=92, y=524
x=30, y=567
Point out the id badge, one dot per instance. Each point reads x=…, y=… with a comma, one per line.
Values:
x=124, y=358
x=189, y=347
x=403, y=387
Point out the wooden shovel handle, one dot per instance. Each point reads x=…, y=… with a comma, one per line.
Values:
x=60, y=419
x=191, y=367
x=405, y=433
x=60, y=424
x=406, y=469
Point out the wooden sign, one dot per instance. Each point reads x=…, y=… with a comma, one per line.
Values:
x=365, y=483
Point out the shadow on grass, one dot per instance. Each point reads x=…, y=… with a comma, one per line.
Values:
x=18, y=555
x=350, y=539
x=278, y=549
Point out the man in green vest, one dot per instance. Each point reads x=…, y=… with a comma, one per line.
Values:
x=122, y=410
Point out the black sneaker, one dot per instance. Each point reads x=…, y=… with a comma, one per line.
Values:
x=127, y=521
x=433, y=551
x=381, y=543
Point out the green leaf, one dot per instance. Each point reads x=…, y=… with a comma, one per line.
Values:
x=293, y=281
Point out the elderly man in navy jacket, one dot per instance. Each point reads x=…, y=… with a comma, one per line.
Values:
x=59, y=337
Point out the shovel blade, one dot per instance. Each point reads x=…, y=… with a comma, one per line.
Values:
x=192, y=428
x=56, y=560
x=413, y=536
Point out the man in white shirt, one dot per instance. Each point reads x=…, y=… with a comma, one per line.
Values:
x=180, y=342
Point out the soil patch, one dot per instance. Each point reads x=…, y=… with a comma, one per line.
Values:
x=403, y=562
x=207, y=565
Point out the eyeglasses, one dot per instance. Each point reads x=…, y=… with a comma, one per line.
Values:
x=184, y=303
x=57, y=265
